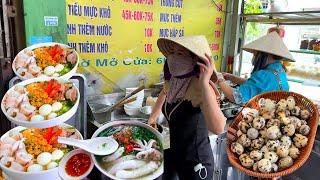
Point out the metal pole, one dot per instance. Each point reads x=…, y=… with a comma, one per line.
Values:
x=6, y=27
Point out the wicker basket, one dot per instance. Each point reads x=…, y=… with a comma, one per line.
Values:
x=302, y=102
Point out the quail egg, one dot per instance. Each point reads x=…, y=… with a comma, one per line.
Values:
x=272, y=144
x=258, y=122
x=288, y=130
x=282, y=151
x=256, y=155
x=273, y=132
x=304, y=130
x=305, y=114
x=300, y=141
x=244, y=140
x=285, y=162
x=264, y=165
x=237, y=148
x=252, y=133
x=257, y=143
x=246, y=161
x=294, y=152
x=272, y=156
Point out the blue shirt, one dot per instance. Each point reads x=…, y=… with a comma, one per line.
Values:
x=261, y=81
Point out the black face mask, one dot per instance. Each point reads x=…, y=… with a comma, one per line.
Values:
x=259, y=62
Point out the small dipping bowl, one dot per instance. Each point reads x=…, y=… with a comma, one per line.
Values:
x=62, y=165
x=146, y=110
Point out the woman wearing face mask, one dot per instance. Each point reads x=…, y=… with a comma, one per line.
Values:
x=190, y=106
x=268, y=73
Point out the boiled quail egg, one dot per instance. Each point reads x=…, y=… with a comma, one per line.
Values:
x=56, y=106
x=52, y=165
x=45, y=109
x=35, y=168
x=57, y=154
x=37, y=118
x=49, y=70
x=59, y=67
x=44, y=158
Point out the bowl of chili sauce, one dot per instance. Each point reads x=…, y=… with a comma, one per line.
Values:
x=77, y=164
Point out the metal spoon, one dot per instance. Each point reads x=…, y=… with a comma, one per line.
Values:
x=99, y=146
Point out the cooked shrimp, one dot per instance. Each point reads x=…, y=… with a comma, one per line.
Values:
x=8, y=140
x=22, y=61
x=21, y=117
x=71, y=94
x=6, y=161
x=34, y=69
x=16, y=166
x=12, y=111
x=22, y=71
x=28, y=75
x=19, y=89
x=23, y=157
x=21, y=98
x=10, y=102
x=6, y=150
x=27, y=109
x=72, y=57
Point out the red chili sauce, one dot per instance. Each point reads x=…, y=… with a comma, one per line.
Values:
x=78, y=164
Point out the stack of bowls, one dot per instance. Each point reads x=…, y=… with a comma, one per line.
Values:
x=133, y=108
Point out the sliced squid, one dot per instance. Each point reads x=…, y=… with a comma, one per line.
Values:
x=135, y=173
x=114, y=156
x=130, y=164
x=23, y=157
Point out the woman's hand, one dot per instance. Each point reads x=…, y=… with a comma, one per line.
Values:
x=206, y=70
x=227, y=76
x=152, y=122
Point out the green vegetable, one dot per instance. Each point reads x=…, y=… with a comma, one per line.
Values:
x=65, y=70
x=108, y=132
x=66, y=106
x=144, y=134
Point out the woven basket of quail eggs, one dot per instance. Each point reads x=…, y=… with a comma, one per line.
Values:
x=273, y=135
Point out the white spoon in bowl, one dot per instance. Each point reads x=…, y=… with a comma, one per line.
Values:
x=98, y=146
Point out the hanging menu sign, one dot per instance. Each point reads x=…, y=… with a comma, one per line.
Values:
x=117, y=39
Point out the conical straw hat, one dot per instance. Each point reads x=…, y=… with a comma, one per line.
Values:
x=272, y=44
x=196, y=44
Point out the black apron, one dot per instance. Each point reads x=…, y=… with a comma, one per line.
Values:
x=189, y=142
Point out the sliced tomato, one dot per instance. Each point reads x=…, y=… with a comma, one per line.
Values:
x=49, y=134
x=55, y=136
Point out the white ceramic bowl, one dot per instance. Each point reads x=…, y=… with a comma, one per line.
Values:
x=146, y=110
x=155, y=174
x=46, y=123
x=131, y=111
x=135, y=104
x=51, y=174
x=64, y=77
x=139, y=95
x=62, y=172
